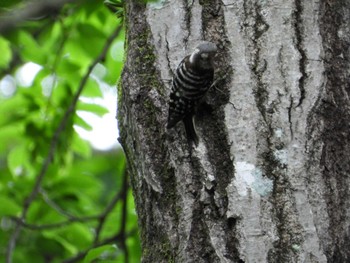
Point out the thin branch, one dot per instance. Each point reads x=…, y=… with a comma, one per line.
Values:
x=58, y=55
x=113, y=239
x=55, y=206
x=54, y=142
x=103, y=216
x=54, y=225
x=71, y=219
x=32, y=10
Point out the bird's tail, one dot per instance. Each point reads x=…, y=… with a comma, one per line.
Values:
x=190, y=130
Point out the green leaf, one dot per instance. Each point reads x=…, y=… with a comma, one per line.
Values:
x=73, y=237
x=67, y=67
x=82, y=123
x=8, y=207
x=91, y=7
x=71, y=248
x=10, y=135
x=80, y=146
x=100, y=253
x=17, y=160
x=12, y=109
x=30, y=49
x=73, y=51
x=92, y=107
x=6, y=53
x=91, y=39
x=92, y=89
x=39, y=213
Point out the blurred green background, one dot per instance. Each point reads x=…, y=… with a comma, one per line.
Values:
x=61, y=199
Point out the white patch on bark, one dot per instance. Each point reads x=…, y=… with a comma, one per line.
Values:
x=157, y=4
x=249, y=179
x=281, y=156
x=249, y=206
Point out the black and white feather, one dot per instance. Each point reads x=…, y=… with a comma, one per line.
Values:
x=192, y=79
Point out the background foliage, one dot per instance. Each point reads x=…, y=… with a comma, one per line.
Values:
x=60, y=200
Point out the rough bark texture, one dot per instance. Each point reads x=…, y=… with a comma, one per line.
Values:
x=270, y=179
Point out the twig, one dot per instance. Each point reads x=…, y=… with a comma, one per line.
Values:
x=32, y=10
x=54, y=225
x=54, y=142
x=102, y=218
x=113, y=239
x=215, y=86
x=55, y=206
x=72, y=219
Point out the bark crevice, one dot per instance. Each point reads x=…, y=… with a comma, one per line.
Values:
x=298, y=28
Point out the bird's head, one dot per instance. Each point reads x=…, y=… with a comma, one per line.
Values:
x=203, y=55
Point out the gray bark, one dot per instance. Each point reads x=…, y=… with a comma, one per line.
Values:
x=269, y=181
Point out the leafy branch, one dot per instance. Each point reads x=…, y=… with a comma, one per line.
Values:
x=121, y=236
x=20, y=222
x=117, y=238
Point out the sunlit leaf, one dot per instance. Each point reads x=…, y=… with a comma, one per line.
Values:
x=17, y=160
x=80, y=146
x=74, y=51
x=30, y=49
x=82, y=123
x=6, y=53
x=13, y=109
x=92, y=107
x=92, y=89
x=91, y=39
x=10, y=135
x=100, y=253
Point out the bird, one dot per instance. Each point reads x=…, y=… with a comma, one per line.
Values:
x=192, y=79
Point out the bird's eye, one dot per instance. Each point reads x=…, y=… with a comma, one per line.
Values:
x=204, y=55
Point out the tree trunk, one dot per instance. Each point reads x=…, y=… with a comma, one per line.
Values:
x=269, y=181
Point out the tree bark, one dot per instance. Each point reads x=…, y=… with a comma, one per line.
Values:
x=269, y=181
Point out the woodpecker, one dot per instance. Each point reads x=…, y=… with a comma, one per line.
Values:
x=192, y=79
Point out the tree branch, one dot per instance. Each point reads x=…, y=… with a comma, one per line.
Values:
x=103, y=216
x=54, y=225
x=72, y=219
x=117, y=238
x=32, y=10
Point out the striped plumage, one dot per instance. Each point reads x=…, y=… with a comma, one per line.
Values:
x=192, y=79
